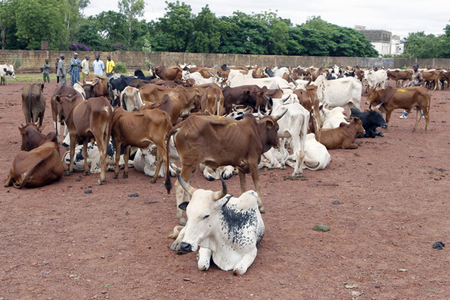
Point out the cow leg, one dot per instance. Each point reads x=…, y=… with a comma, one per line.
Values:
x=241, y=267
x=255, y=177
x=102, y=143
x=204, y=259
x=126, y=157
x=242, y=181
x=161, y=157
x=8, y=180
x=176, y=244
x=388, y=117
x=418, y=110
x=85, y=156
x=118, y=149
x=73, y=142
x=181, y=194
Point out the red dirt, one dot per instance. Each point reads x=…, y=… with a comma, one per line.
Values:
x=56, y=242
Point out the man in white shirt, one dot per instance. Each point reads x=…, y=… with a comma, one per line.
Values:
x=85, y=67
x=98, y=65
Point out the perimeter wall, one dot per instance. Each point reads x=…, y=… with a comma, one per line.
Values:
x=32, y=60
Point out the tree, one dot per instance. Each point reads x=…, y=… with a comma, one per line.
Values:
x=206, y=36
x=131, y=9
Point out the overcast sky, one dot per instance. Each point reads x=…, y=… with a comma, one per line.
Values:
x=398, y=16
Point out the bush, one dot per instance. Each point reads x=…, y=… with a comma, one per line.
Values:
x=16, y=61
x=120, y=47
x=78, y=47
x=121, y=68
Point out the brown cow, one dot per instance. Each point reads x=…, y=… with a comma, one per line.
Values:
x=399, y=76
x=408, y=98
x=32, y=136
x=94, y=89
x=33, y=103
x=309, y=100
x=212, y=100
x=90, y=119
x=342, y=137
x=40, y=166
x=140, y=129
x=169, y=73
x=218, y=141
x=61, y=90
x=91, y=78
x=431, y=78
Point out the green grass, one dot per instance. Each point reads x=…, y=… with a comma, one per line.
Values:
x=31, y=77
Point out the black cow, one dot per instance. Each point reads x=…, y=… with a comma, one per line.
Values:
x=371, y=120
x=139, y=74
x=116, y=85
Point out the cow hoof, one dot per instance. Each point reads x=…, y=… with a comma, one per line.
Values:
x=380, y=134
x=125, y=175
x=183, y=222
x=152, y=181
x=115, y=176
x=67, y=173
x=85, y=173
x=99, y=182
x=210, y=178
x=262, y=210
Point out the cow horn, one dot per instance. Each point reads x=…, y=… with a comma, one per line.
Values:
x=287, y=98
x=379, y=105
x=23, y=125
x=186, y=186
x=36, y=123
x=280, y=116
x=220, y=194
x=96, y=81
x=370, y=106
x=260, y=115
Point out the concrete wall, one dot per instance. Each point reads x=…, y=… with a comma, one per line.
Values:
x=32, y=60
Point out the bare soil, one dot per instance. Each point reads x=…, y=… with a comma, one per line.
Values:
x=57, y=242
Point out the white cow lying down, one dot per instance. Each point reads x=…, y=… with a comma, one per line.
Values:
x=146, y=162
x=221, y=227
x=317, y=156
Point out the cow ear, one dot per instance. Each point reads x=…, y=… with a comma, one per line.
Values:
x=269, y=124
x=183, y=205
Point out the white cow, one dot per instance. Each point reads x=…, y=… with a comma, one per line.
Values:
x=199, y=79
x=339, y=92
x=130, y=99
x=221, y=227
x=6, y=71
x=332, y=118
x=270, y=82
x=376, y=78
x=317, y=156
x=293, y=126
x=79, y=88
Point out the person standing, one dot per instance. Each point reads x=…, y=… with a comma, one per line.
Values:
x=110, y=66
x=416, y=80
x=85, y=67
x=61, y=71
x=56, y=70
x=98, y=65
x=46, y=70
x=74, y=69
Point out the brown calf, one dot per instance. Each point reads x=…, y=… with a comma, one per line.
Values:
x=90, y=119
x=140, y=129
x=32, y=136
x=342, y=137
x=33, y=103
x=408, y=98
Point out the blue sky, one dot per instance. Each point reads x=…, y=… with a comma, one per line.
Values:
x=399, y=17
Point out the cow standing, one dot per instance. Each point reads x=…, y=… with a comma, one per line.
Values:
x=86, y=120
x=217, y=141
x=221, y=227
x=5, y=72
x=33, y=103
x=408, y=98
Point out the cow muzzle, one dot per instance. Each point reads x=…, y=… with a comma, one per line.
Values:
x=185, y=248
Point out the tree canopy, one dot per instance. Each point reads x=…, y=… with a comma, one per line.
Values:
x=25, y=23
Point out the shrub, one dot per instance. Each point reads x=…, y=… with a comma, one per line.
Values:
x=78, y=47
x=120, y=67
x=16, y=61
x=120, y=47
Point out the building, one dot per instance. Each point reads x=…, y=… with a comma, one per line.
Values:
x=383, y=41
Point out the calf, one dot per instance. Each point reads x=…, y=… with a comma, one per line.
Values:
x=140, y=129
x=32, y=136
x=371, y=120
x=222, y=228
x=85, y=120
x=33, y=103
x=408, y=98
x=343, y=136
x=38, y=167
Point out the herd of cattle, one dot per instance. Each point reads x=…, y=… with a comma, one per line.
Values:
x=225, y=120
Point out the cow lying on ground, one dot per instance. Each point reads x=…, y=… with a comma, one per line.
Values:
x=33, y=103
x=218, y=141
x=408, y=98
x=221, y=227
x=39, y=166
x=32, y=136
x=344, y=136
x=371, y=120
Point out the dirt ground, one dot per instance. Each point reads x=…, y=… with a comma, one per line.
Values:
x=58, y=242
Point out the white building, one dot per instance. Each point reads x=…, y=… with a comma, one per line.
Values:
x=383, y=41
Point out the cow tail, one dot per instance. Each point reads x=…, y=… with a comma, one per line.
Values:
x=168, y=183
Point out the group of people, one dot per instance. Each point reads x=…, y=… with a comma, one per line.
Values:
x=75, y=67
